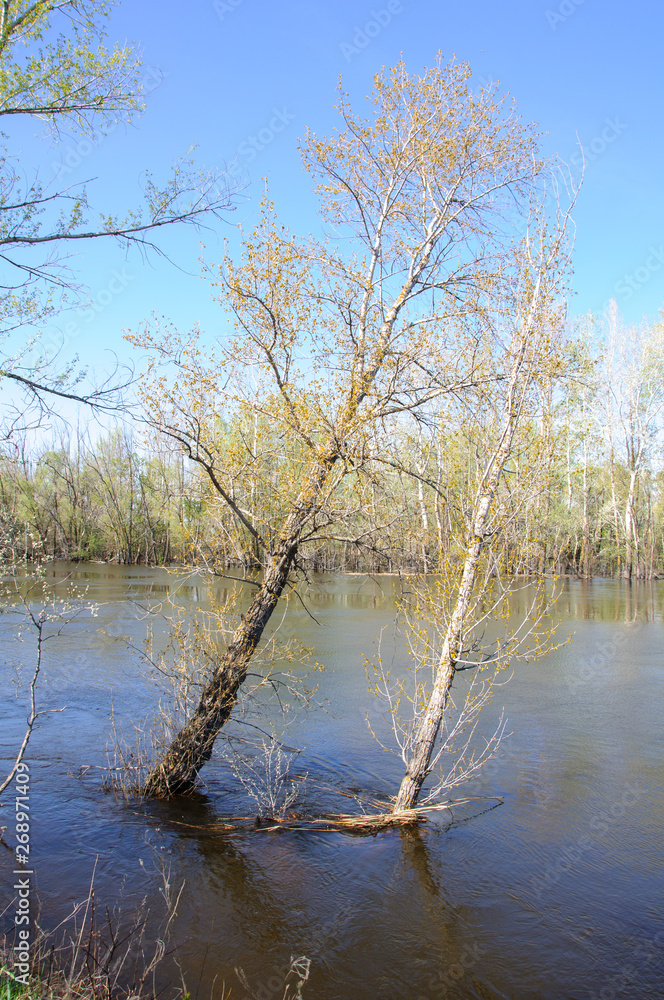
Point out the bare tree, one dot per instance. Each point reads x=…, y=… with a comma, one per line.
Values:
x=533, y=349
x=425, y=199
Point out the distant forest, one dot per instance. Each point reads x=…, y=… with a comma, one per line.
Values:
x=595, y=503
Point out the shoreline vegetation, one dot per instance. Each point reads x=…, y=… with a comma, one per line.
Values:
x=125, y=501
x=99, y=953
x=96, y=953
x=188, y=567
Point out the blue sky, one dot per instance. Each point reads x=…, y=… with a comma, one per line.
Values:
x=220, y=73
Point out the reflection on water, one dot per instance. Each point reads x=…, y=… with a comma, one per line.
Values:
x=556, y=893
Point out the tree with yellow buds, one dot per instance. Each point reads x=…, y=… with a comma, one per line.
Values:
x=426, y=201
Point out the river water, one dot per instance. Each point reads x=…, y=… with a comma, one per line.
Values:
x=547, y=884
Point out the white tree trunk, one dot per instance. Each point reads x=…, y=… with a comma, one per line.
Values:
x=428, y=726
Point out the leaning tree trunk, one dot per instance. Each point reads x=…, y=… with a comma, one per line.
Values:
x=427, y=729
x=429, y=725
x=177, y=771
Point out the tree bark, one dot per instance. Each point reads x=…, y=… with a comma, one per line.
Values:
x=192, y=747
x=428, y=726
x=176, y=773
x=631, y=540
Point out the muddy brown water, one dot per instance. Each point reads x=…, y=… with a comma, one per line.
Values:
x=555, y=893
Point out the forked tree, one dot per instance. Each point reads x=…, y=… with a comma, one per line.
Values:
x=425, y=200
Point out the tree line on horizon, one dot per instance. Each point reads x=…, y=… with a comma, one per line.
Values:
x=597, y=508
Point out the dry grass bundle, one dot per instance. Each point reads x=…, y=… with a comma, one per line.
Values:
x=362, y=823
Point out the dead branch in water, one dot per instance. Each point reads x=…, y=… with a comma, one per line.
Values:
x=365, y=823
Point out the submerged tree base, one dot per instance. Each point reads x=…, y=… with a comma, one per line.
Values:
x=363, y=823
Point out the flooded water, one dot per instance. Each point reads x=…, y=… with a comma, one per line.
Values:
x=548, y=884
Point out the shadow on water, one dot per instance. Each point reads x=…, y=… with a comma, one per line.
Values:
x=371, y=911
x=556, y=894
